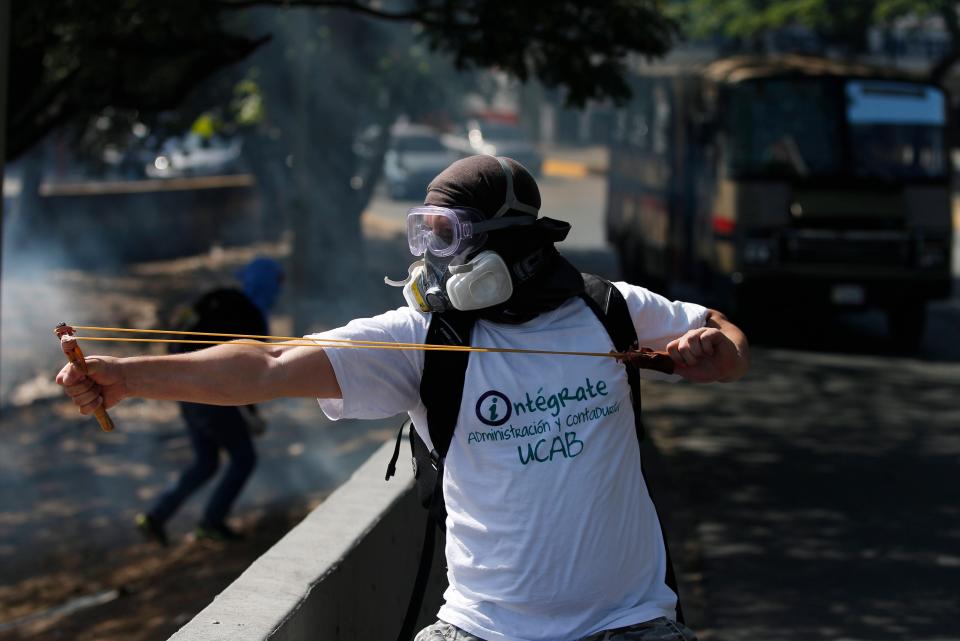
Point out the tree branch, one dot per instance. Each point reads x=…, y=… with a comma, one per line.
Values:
x=420, y=16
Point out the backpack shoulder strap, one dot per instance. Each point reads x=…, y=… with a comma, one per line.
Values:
x=444, y=372
x=441, y=391
x=608, y=304
x=606, y=301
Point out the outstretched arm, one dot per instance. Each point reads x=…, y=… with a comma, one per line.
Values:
x=718, y=351
x=223, y=375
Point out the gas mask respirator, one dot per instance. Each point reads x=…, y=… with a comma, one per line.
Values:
x=437, y=286
x=454, y=272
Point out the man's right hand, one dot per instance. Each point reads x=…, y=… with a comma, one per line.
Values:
x=231, y=374
x=102, y=386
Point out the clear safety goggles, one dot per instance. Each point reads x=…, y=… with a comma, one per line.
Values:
x=447, y=231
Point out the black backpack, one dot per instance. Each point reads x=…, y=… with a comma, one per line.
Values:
x=441, y=390
x=225, y=310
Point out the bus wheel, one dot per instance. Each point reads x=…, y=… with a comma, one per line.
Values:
x=907, y=322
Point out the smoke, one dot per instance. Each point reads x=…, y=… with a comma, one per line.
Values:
x=29, y=301
x=127, y=253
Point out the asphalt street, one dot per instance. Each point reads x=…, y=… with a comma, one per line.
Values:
x=817, y=498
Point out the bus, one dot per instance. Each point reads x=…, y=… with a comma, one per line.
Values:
x=785, y=180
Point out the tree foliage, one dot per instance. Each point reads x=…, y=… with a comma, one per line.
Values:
x=72, y=58
x=841, y=24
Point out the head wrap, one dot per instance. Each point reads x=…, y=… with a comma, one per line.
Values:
x=479, y=182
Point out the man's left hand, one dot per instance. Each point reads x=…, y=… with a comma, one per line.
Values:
x=717, y=352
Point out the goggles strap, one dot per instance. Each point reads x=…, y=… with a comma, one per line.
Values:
x=511, y=201
x=503, y=223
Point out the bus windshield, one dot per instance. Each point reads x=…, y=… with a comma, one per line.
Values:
x=809, y=127
x=896, y=129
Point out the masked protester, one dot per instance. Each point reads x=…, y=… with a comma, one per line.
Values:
x=484, y=252
x=551, y=533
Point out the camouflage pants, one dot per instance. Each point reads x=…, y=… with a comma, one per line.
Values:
x=662, y=629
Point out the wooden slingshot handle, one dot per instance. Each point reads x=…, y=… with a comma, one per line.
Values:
x=72, y=351
x=646, y=358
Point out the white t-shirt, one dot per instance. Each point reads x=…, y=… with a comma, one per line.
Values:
x=551, y=534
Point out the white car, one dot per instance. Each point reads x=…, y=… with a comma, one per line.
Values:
x=415, y=156
x=497, y=139
x=195, y=155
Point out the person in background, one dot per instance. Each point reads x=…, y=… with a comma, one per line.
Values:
x=213, y=428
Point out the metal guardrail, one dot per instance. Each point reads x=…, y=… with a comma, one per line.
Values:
x=105, y=187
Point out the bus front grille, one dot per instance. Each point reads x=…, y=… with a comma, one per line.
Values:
x=847, y=248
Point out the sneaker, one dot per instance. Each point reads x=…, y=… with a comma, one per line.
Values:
x=151, y=530
x=220, y=532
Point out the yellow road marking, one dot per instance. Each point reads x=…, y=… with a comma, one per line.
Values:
x=564, y=168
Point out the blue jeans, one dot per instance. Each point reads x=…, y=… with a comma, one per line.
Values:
x=661, y=629
x=211, y=428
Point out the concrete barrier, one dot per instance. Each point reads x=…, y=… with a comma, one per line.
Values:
x=345, y=573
